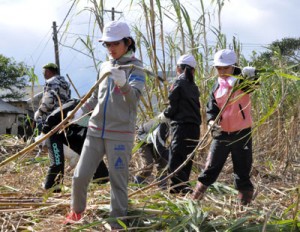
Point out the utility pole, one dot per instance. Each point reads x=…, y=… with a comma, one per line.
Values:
x=56, y=51
x=113, y=13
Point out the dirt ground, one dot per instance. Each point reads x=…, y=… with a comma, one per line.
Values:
x=25, y=206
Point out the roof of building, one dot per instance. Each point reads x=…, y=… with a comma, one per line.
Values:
x=37, y=90
x=8, y=108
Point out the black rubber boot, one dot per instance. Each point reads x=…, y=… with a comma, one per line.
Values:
x=245, y=197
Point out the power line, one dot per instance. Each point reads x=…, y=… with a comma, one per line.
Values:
x=66, y=16
x=44, y=47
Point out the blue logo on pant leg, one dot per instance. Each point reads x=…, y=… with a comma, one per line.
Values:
x=120, y=147
x=119, y=164
x=56, y=154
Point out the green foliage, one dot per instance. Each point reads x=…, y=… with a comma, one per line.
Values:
x=33, y=78
x=12, y=77
x=165, y=214
x=288, y=47
x=283, y=52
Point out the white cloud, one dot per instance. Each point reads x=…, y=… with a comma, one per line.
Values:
x=261, y=21
x=30, y=15
x=241, y=12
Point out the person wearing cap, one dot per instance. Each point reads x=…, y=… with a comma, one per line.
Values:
x=232, y=133
x=54, y=84
x=56, y=91
x=183, y=112
x=111, y=128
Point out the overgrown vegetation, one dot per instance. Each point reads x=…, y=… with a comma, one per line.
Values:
x=276, y=137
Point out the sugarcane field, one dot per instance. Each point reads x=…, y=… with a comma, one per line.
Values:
x=166, y=122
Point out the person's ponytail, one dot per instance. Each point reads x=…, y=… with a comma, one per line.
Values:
x=188, y=72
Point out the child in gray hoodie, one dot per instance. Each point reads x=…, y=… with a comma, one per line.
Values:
x=111, y=128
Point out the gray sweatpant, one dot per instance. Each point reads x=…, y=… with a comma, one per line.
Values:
x=118, y=155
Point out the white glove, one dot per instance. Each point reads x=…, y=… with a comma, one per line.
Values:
x=119, y=76
x=36, y=115
x=71, y=156
x=40, y=136
x=248, y=72
x=162, y=118
x=77, y=115
x=215, y=129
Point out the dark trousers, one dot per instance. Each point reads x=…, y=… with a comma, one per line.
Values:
x=185, y=139
x=75, y=139
x=57, y=160
x=152, y=158
x=239, y=144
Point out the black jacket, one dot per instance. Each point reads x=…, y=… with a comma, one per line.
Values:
x=55, y=117
x=184, y=104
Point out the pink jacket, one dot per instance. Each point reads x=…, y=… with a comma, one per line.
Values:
x=237, y=114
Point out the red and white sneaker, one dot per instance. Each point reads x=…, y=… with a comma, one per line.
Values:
x=72, y=218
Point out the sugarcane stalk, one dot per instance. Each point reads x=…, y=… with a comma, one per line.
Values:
x=26, y=204
x=70, y=116
x=70, y=80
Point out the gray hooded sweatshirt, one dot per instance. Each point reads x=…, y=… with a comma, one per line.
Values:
x=115, y=109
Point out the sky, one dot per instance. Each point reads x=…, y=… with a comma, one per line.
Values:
x=26, y=30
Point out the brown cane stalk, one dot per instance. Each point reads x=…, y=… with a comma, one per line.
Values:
x=70, y=80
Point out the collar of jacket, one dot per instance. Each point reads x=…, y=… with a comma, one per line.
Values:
x=181, y=77
x=52, y=78
x=129, y=56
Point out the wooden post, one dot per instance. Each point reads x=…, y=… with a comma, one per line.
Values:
x=56, y=51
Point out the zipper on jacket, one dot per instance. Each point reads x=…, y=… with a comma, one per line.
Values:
x=242, y=112
x=105, y=106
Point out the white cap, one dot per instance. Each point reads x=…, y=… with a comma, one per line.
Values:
x=225, y=57
x=115, y=31
x=187, y=59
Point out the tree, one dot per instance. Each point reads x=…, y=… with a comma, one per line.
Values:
x=13, y=77
x=286, y=50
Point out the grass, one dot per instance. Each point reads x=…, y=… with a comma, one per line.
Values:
x=24, y=206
